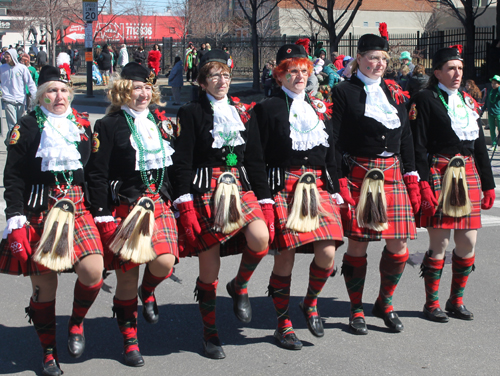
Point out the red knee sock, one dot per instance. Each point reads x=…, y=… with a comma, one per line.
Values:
x=354, y=271
x=84, y=297
x=391, y=269
x=206, y=294
x=431, y=271
x=126, y=316
x=149, y=284
x=461, y=269
x=249, y=262
x=43, y=316
x=317, y=280
x=279, y=290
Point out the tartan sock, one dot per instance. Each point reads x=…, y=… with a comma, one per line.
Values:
x=126, y=316
x=206, y=294
x=391, y=269
x=354, y=271
x=317, y=280
x=249, y=262
x=149, y=284
x=279, y=289
x=43, y=316
x=83, y=299
x=461, y=268
x=431, y=271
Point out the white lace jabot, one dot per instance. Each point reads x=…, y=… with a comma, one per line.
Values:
x=306, y=129
x=227, y=124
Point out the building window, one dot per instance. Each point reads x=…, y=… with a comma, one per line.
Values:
x=377, y=24
x=172, y=30
x=365, y=24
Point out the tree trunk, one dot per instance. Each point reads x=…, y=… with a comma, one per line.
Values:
x=469, y=63
x=332, y=36
x=255, y=49
x=498, y=22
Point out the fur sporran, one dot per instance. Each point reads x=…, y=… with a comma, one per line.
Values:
x=228, y=216
x=132, y=241
x=454, y=197
x=55, y=249
x=371, y=211
x=306, y=205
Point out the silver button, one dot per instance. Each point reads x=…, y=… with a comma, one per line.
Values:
x=306, y=158
x=223, y=158
x=223, y=150
x=383, y=137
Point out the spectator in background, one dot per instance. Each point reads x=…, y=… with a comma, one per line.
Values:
x=112, y=53
x=104, y=63
x=202, y=51
x=347, y=59
x=188, y=64
x=267, y=78
x=123, y=56
x=418, y=80
x=13, y=80
x=208, y=47
x=493, y=108
x=97, y=52
x=176, y=81
x=405, y=59
x=77, y=61
x=154, y=59
x=404, y=76
x=140, y=55
x=25, y=59
x=71, y=55
x=41, y=58
x=196, y=61
x=472, y=89
x=32, y=54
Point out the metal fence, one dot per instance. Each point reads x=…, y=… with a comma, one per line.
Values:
x=421, y=46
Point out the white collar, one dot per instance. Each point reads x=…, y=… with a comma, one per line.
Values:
x=135, y=114
x=367, y=80
x=50, y=114
x=293, y=95
x=445, y=89
x=213, y=100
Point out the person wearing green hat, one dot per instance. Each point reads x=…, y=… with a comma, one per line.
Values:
x=492, y=105
x=405, y=59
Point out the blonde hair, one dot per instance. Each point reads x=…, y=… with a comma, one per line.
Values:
x=42, y=89
x=405, y=69
x=355, y=64
x=120, y=91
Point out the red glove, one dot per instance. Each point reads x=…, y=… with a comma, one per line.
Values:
x=345, y=193
x=189, y=221
x=106, y=231
x=19, y=245
x=488, y=199
x=429, y=201
x=413, y=189
x=269, y=217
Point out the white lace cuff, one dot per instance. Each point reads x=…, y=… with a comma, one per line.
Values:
x=338, y=198
x=266, y=201
x=104, y=219
x=413, y=173
x=14, y=223
x=184, y=198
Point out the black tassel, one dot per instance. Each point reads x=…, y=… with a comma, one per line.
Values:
x=29, y=313
x=219, y=213
x=314, y=204
x=62, y=247
x=129, y=228
x=461, y=192
x=423, y=270
x=381, y=210
x=454, y=192
x=369, y=208
x=144, y=227
x=305, y=206
x=198, y=294
x=347, y=270
x=49, y=242
x=270, y=291
x=334, y=272
x=234, y=215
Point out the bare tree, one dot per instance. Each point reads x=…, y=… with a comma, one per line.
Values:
x=332, y=15
x=216, y=22
x=303, y=24
x=467, y=15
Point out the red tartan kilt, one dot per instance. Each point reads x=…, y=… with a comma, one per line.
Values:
x=86, y=237
x=439, y=165
x=231, y=244
x=399, y=211
x=330, y=225
x=164, y=236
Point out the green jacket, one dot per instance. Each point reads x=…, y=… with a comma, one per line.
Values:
x=493, y=102
x=34, y=76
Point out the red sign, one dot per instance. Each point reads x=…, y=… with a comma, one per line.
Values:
x=119, y=28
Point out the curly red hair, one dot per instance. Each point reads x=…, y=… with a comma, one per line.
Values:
x=285, y=65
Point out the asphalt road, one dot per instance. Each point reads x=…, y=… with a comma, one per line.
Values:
x=173, y=346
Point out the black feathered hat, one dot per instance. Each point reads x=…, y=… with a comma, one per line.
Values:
x=136, y=72
x=215, y=54
x=289, y=51
x=372, y=42
x=446, y=54
x=50, y=73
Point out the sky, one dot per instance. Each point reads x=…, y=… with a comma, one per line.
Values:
x=149, y=6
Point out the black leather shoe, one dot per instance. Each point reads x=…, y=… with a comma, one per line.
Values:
x=241, y=304
x=76, y=345
x=213, y=348
x=358, y=326
x=437, y=315
x=51, y=368
x=391, y=319
x=149, y=310
x=314, y=323
x=133, y=359
x=459, y=311
x=288, y=341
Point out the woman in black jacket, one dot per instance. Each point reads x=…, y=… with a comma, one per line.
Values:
x=140, y=55
x=104, y=63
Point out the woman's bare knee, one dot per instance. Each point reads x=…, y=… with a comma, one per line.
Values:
x=89, y=269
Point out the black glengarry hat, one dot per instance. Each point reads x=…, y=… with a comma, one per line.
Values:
x=50, y=73
x=136, y=72
x=215, y=54
x=372, y=42
x=446, y=54
x=289, y=51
